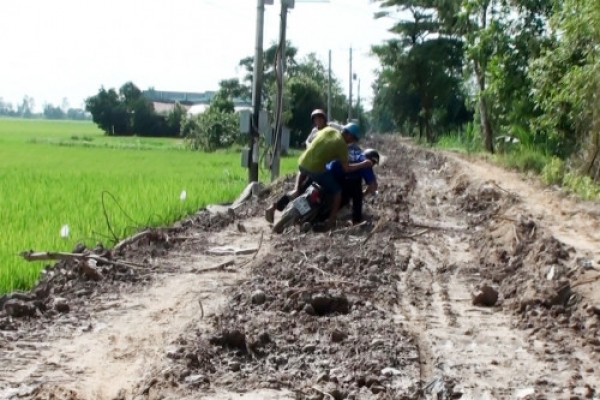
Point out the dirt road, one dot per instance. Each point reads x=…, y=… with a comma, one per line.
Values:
x=468, y=282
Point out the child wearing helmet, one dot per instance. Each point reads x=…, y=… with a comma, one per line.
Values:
x=352, y=182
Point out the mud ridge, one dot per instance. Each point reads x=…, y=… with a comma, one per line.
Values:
x=452, y=289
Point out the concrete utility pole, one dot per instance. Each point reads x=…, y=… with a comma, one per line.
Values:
x=329, y=90
x=358, y=99
x=257, y=85
x=275, y=164
x=350, y=91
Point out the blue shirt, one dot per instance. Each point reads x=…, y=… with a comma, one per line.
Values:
x=355, y=155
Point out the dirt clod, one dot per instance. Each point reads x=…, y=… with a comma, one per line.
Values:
x=338, y=336
x=61, y=305
x=325, y=304
x=18, y=308
x=487, y=296
x=258, y=297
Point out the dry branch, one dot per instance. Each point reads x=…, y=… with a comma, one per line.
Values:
x=183, y=238
x=49, y=255
x=231, y=252
x=201, y=309
x=412, y=236
x=216, y=267
x=375, y=230
x=416, y=225
x=260, y=242
x=348, y=228
x=586, y=281
x=323, y=393
x=131, y=239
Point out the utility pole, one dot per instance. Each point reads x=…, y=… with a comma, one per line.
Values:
x=358, y=99
x=257, y=84
x=281, y=75
x=350, y=92
x=329, y=90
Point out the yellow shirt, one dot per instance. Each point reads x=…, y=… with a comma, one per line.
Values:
x=328, y=145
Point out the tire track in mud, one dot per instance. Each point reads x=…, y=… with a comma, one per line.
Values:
x=465, y=349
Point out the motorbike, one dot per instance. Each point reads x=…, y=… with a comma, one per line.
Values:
x=313, y=206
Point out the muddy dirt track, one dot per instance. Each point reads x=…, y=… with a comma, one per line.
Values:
x=467, y=283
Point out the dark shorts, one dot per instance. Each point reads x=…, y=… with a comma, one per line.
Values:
x=325, y=179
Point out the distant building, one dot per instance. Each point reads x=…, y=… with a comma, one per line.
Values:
x=194, y=103
x=165, y=108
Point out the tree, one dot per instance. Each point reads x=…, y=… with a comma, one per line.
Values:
x=51, y=112
x=421, y=70
x=566, y=82
x=25, y=110
x=64, y=105
x=223, y=102
x=108, y=112
x=211, y=130
x=305, y=89
x=234, y=89
x=6, y=108
x=128, y=112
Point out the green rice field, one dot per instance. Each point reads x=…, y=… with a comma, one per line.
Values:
x=53, y=175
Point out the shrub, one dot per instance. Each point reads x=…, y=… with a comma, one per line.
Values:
x=211, y=130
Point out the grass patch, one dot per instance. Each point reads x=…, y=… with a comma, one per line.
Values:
x=524, y=160
x=45, y=186
x=551, y=170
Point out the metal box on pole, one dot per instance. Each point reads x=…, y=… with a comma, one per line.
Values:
x=245, y=161
x=285, y=140
x=245, y=121
x=263, y=122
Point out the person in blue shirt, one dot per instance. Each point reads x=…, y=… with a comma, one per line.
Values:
x=352, y=182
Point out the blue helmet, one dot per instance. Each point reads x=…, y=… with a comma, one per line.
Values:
x=352, y=129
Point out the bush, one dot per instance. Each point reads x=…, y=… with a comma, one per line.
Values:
x=526, y=160
x=554, y=172
x=581, y=185
x=211, y=130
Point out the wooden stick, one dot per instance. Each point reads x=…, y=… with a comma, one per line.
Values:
x=201, y=309
x=428, y=226
x=48, y=255
x=260, y=242
x=216, y=267
x=323, y=393
x=348, y=228
x=184, y=238
x=338, y=281
x=130, y=240
x=585, y=281
x=318, y=269
x=240, y=252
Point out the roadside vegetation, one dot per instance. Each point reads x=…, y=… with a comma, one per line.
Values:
x=59, y=177
x=516, y=80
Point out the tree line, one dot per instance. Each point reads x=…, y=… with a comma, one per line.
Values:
x=509, y=76
x=127, y=112
x=26, y=109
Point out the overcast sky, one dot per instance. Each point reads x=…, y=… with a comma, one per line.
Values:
x=69, y=48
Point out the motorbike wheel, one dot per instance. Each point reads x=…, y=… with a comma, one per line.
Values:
x=288, y=218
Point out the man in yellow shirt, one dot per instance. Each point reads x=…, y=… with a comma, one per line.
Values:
x=328, y=145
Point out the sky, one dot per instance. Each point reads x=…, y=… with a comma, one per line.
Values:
x=53, y=49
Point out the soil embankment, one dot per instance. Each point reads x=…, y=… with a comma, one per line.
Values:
x=467, y=283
